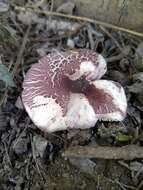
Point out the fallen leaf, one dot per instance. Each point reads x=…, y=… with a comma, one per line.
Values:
x=27, y=17
x=6, y=76
x=136, y=88
x=138, y=62
x=138, y=76
x=4, y=7
x=136, y=166
x=40, y=145
x=66, y=8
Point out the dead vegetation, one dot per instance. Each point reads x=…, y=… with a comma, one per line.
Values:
x=30, y=159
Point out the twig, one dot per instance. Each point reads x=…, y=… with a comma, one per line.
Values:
x=3, y=98
x=122, y=186
x=112, y=37
x=51, y=9
x=16, y=24
x=7, y=155
x=21, y=51
x=34, y=157
x=122, y=163
x=115, y=58
x=90, y=36
x=139, y=172
x=73, y=17
x=17, y=63
x=20, y=135
x=59, y=37
x=39, y=3
x=124, y=53
x=140, y=186
x=118, y=183
x=128, y=152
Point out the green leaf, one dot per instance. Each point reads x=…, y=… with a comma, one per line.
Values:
x=6, y=76
x=123, y=138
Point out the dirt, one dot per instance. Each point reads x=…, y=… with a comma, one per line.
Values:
x=31, y=159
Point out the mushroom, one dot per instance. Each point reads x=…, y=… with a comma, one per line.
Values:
x=63, y=91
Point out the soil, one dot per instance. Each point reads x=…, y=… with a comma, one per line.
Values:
x=31, y=159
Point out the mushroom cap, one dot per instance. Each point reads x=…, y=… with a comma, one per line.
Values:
x=62, y=89
x=108, y=100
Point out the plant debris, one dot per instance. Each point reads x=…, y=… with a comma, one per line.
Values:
x=5, y=76
x=31, y=159
x=129, y=152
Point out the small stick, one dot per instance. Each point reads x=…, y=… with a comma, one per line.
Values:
x=115, y=58
x=79, y=18
x=35, y=159
x=17, y=63
x=128, y=152
x=122, y=186
x=124, y=53
x=21, y=51
x=112, y=37
x=140, y=186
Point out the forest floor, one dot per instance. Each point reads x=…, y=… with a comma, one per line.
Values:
x=31, y=159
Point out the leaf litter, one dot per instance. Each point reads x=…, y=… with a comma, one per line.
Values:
x=30, y=159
